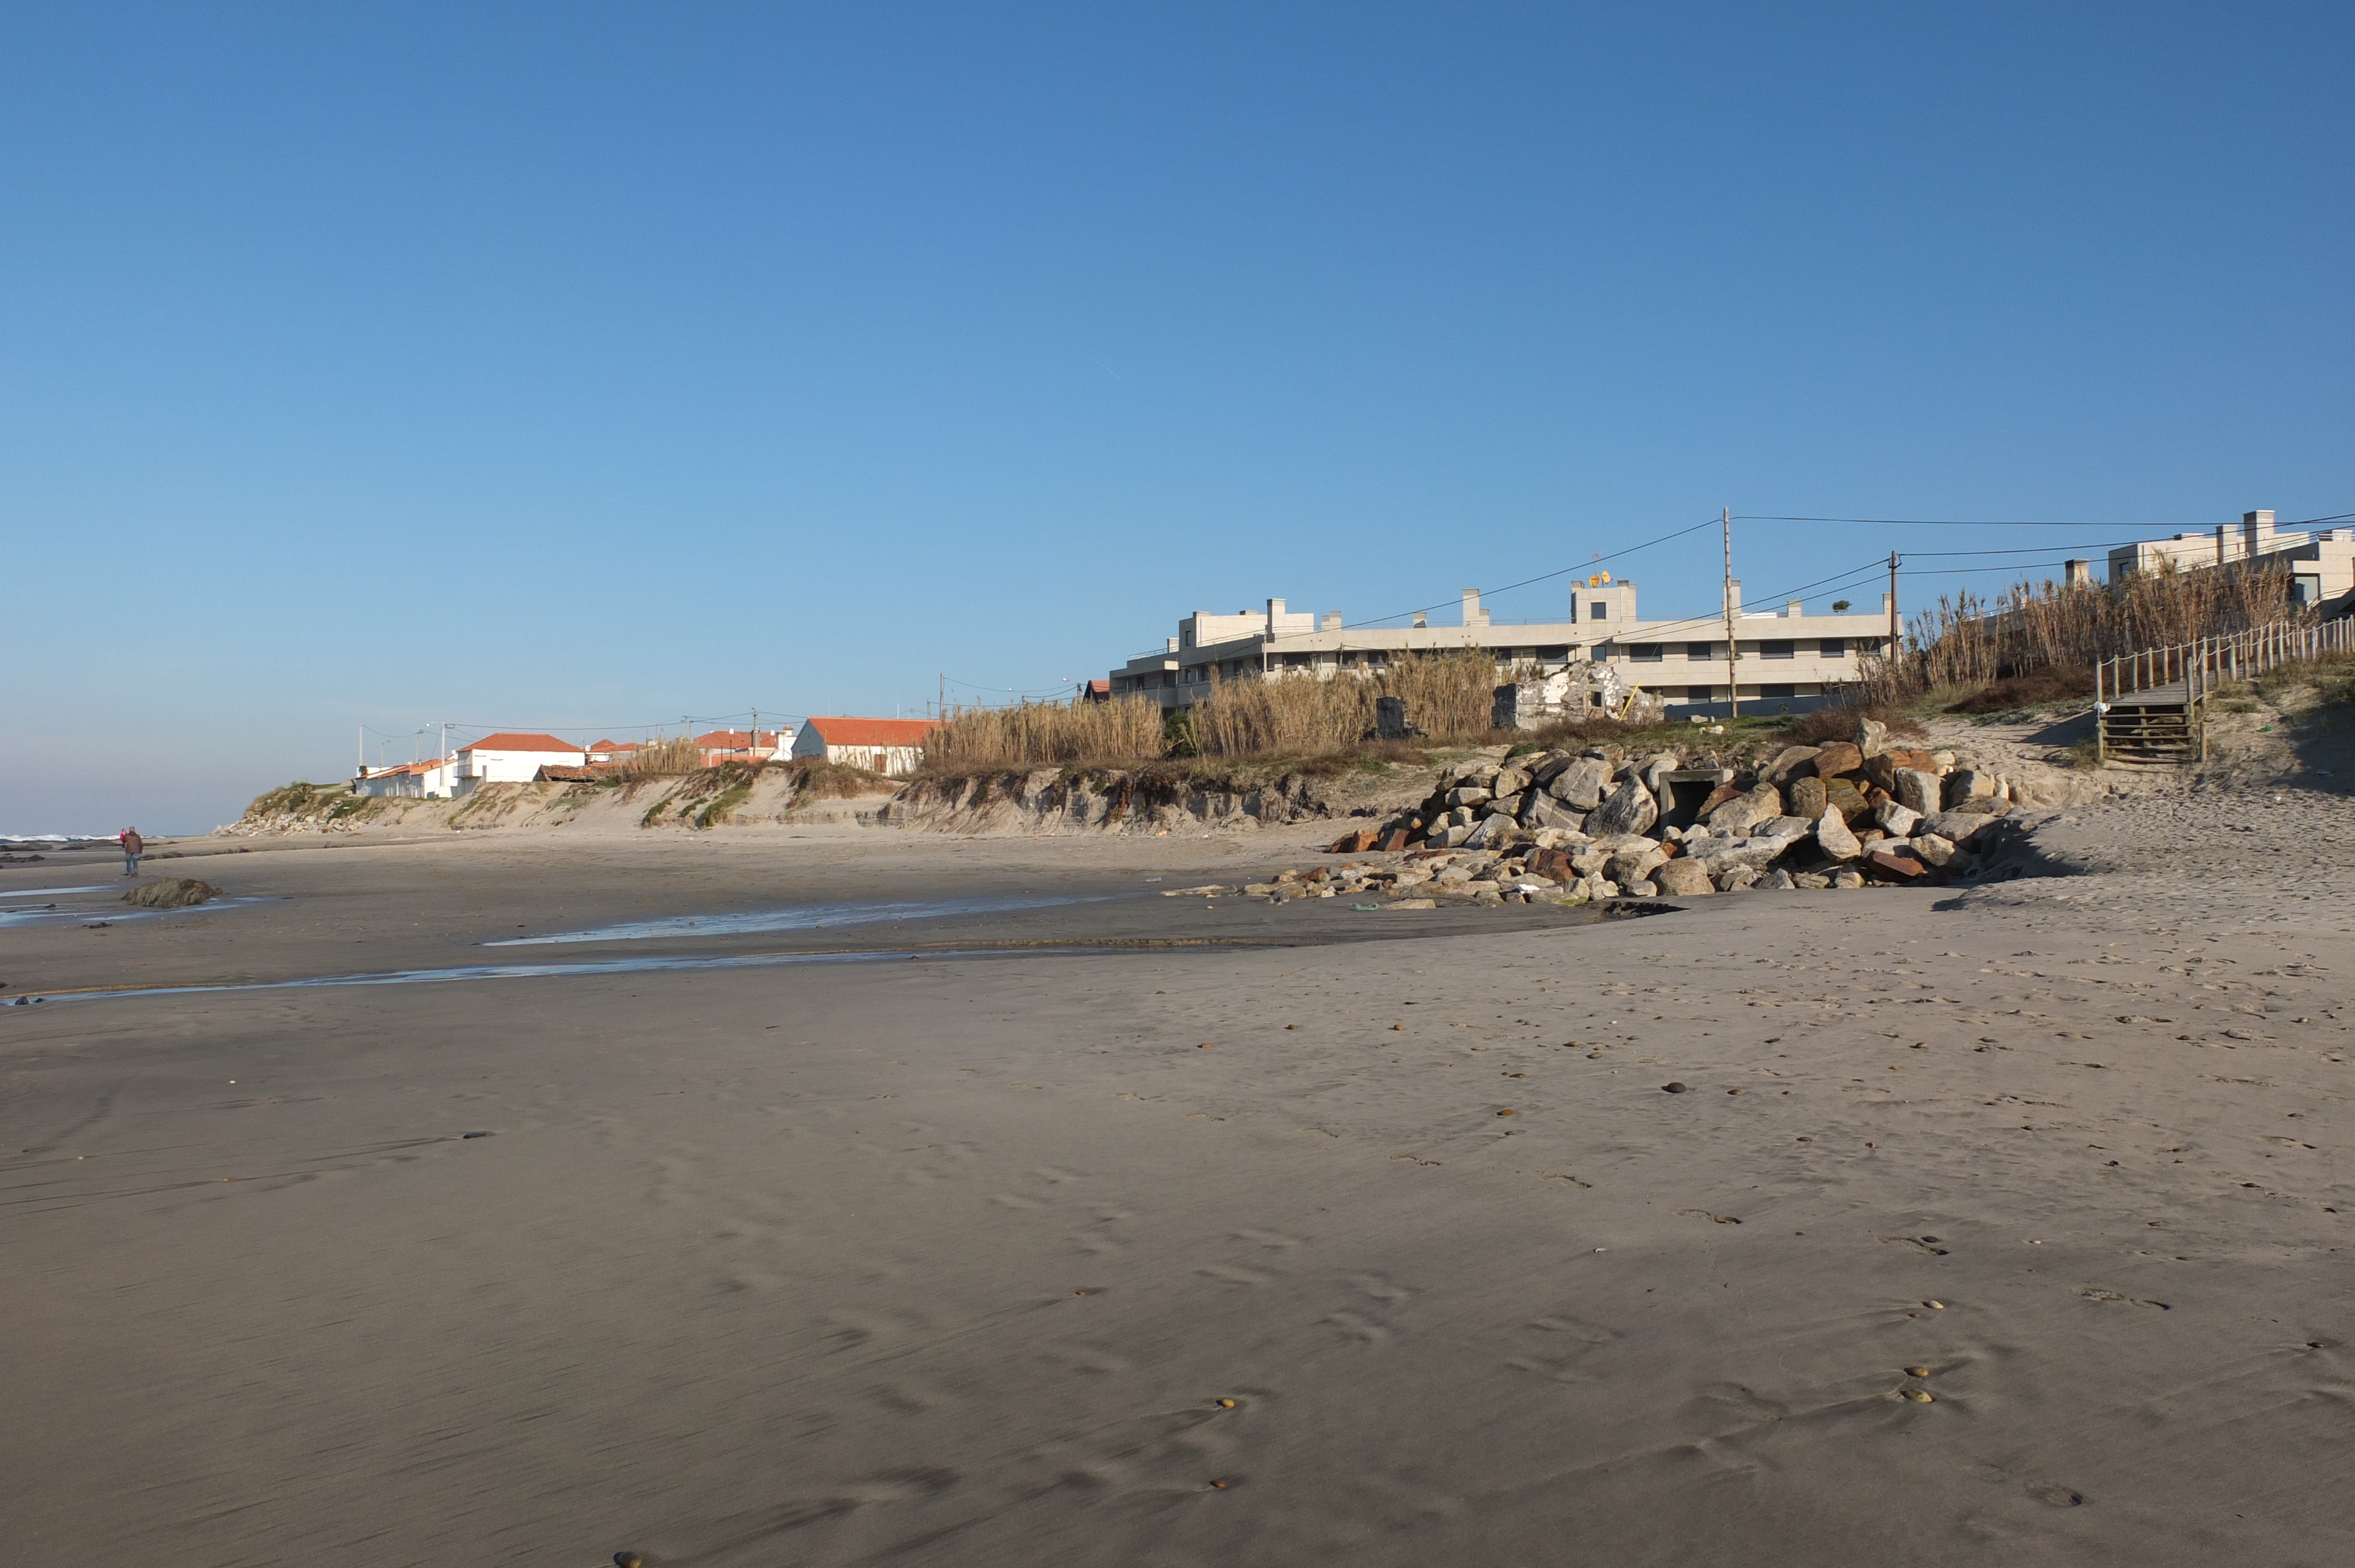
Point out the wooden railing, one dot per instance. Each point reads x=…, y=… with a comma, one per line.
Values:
x=2200, y=667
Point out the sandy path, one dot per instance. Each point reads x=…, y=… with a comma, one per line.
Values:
x=951, y=1260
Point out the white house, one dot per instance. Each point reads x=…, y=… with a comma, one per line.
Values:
x=508, y=757
x=882, y=746
x=402, y=778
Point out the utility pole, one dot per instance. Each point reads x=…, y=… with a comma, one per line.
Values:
x=1892, y=605
x=363, y=749
x=1732, y=654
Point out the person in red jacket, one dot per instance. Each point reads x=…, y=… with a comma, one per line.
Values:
x=133, y=846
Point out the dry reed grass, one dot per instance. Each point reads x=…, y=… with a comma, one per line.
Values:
x=1123, y=729
x=1449, y=697
x=1970, y=643
x=662, y=759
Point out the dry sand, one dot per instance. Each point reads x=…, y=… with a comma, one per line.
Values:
x=944, y=1260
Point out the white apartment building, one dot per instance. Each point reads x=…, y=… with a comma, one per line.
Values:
x=1788, y=660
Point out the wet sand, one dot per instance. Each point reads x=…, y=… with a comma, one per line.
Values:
x=949, y=1259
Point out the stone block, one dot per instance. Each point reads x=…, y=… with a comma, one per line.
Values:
x=1934, y=850
x=1847, y=879
x=1358, y=843
x=1541, y=810
x=1580, y=784
x=1896, y=819
x=1630, y=809
x=1777, y=881
x=1467, y=795
x=1736, y=878
x=1684, y=879
x=1871, y=736
x=1845, y=798
x=1968, y=784
x=1896, y=863
x=1919, y=789
x=1634, y=865
x=1833, y=835
x=1837, y=759
x=1503, y=805
x=1791, y=762
x=1742, y=813
x=1807, y=797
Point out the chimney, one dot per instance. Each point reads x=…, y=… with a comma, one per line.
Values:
x=1420, y=620
x=1274, y=613
x=1332, y=621
x=2256, y=533
x=1793, y=610
x=1733, y=596
x=1473, y=614
x=1173, y=645
x=2079, y=573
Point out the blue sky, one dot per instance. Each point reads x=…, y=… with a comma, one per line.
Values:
x=584, y=365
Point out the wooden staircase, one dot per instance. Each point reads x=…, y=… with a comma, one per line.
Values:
x=2150, y=708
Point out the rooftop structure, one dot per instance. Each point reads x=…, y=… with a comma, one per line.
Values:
x=882, y=746
x=2321, y=565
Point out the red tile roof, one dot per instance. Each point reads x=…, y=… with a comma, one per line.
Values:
x=515, y=740
x=872, y=732
x=735, y=739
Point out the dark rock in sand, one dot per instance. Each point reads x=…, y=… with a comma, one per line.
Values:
x=171, y=892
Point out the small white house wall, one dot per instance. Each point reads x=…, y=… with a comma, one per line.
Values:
x=515, y=766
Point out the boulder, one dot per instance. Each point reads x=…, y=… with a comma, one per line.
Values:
x=1630, y=809
x=1636, y=865
x=1358, y=843
x=1832, y=834
x=1655, y=768
x=1726, y=790
x=1684, y=879
x=1968, y=784
x=1541, y=810
x=1896, y=863
x=1511, y=781
x=1467, y=795
x=1847, y=879
x=1791, y=762
x=1881, y=771
x=1934, y=850
x=1806, y=798
x=1581, y=783
x=1871, y=736
x=1896, y=819
x=1957, y=827
x=1918, y=788
x=1646, y=889
x=1793, y=826
x=1553, y=864
x=1503, y=805
x=1491, y=833
x=1718, y=854
x=1837, y=759
x=1845, y=798
x=171, y=892
x=1736, y=878
x=1743, y=812
x=1779, y=880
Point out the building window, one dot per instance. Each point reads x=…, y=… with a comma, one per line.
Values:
x=1700, y=694
x=1598, y=609
x=1835, y=648
x=1168, y=679
x=1769, y=693
x=1699, y=652
x=1553, y=655
x=1646, y=652
x=1599, y=653
x=1782, y=648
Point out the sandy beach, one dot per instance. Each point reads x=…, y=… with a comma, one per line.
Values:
x=2000, y=1226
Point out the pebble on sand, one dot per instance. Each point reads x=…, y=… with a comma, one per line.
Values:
x=1919, y=1395
x=1676, y=1088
